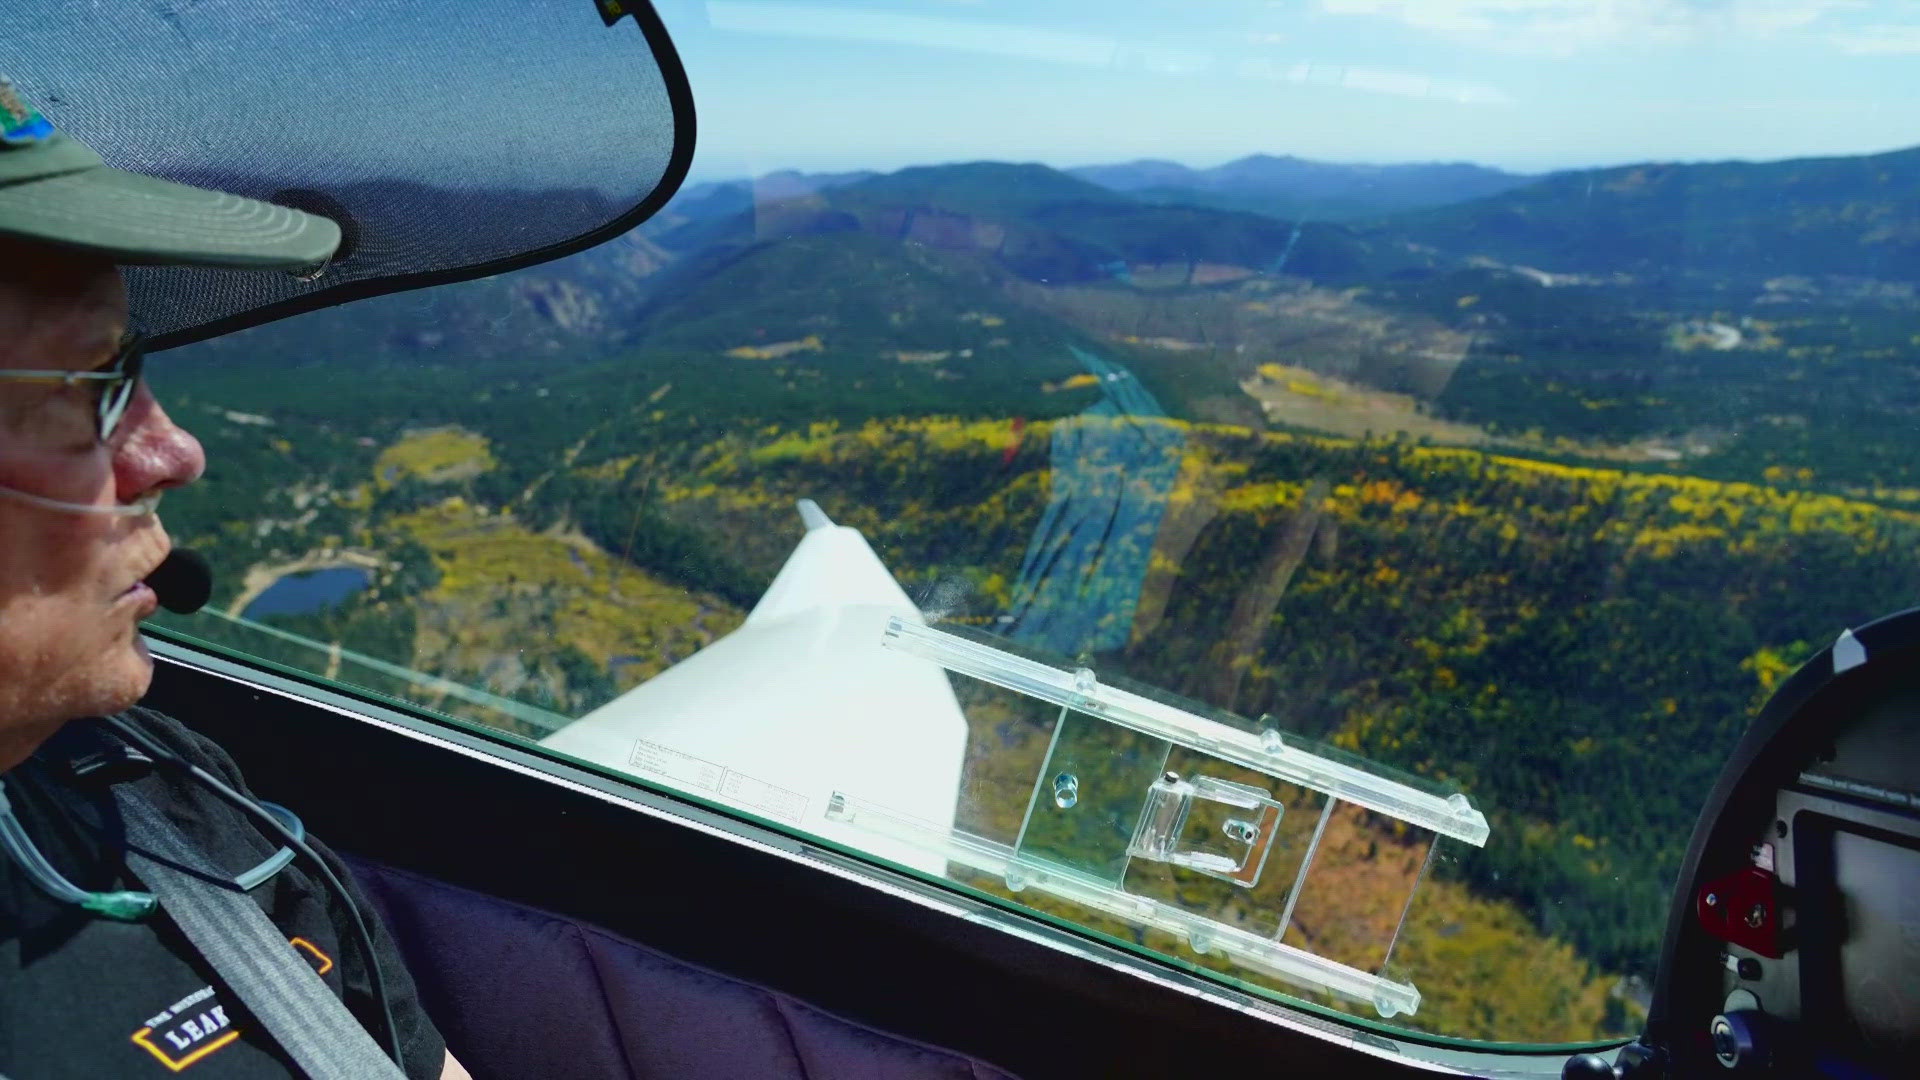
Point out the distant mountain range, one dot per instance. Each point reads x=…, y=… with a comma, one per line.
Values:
x=957, y=286
x=1284, y=187
x=1036, y=222
x=1844, y=216
x=1291, y=187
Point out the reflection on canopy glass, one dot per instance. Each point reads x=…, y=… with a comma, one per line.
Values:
x=1441, y=524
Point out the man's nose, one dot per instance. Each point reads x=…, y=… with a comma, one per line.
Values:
x=151, y=452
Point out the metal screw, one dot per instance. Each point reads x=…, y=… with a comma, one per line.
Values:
x=1066, y=790
x=1169, y=777
x=1713, y=899
x=1757, y=916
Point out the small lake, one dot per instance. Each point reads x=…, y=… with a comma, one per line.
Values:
x=304, y=594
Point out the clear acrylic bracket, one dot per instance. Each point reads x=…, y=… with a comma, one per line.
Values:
x=1104, y=807
x=1249, y=826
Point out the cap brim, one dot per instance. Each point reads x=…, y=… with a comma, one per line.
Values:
x=139, y=220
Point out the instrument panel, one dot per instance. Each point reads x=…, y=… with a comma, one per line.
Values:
x=1793, y=943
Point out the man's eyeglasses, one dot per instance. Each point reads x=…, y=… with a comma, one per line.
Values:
x=112, y=384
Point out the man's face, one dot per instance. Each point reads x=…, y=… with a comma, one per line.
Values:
x=70, y=592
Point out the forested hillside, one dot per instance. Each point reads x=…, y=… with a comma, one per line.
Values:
x=1483, y=492
x=1570, y=644
x=1849, y=216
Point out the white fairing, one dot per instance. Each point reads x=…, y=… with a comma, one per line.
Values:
x=799, y=702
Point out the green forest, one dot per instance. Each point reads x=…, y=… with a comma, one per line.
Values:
x=1548, y=534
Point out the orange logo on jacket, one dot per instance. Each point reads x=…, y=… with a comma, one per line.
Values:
x=197, y=1025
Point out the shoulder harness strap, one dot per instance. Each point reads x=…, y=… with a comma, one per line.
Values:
x=248, y=952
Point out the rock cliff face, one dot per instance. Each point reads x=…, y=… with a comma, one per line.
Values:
x=597, y=294
x=588, y=304
x=565, y=304
x=641, y=256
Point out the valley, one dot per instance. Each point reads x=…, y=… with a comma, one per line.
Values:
x=1539, y=488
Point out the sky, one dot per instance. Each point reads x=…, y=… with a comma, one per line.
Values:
x=540, y=92
x=1527, y=85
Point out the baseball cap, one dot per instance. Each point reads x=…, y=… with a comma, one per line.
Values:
x=56, y=190
x=446, y=147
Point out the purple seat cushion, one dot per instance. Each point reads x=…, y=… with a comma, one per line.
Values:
x=521, y=994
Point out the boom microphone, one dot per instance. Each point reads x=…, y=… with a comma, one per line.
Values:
x=183, y=582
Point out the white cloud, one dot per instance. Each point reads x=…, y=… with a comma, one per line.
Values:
x=1562, y=27
x=1880, y=41
x=874, y=25
x=894, y=28
x=1374, y=80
